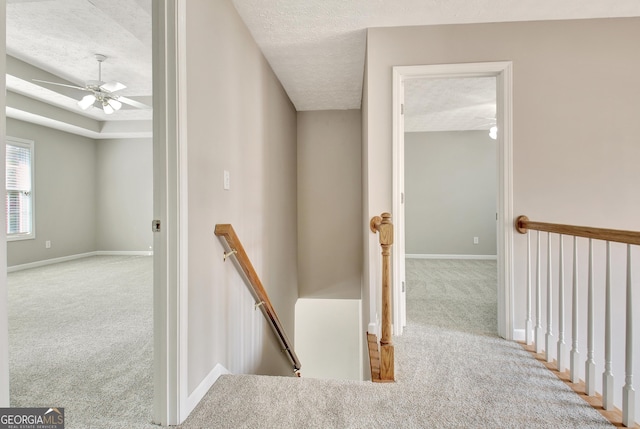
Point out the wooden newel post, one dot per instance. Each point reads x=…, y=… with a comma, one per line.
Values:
x=382, y=224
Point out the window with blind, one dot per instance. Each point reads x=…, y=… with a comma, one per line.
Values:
x=19, y=183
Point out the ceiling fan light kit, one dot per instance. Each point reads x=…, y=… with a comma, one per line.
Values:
x=102, y=93
x=87, y=101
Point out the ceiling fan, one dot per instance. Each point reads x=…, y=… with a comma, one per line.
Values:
x=102, y=93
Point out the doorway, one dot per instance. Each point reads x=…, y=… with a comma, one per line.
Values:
x=501, y=71
x=166, y=297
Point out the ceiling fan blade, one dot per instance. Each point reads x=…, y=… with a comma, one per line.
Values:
x=133, y=103
x=60, y=84
x=113, y=86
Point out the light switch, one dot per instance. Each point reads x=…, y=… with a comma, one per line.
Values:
x=226, y=181
x=476, y=240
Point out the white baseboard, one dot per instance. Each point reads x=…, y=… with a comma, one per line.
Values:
x=124, y=253
x=196, y=396
x=372, y=328
x=437, y=256
x=51, y=261
x=48, y=262
x=518, y=335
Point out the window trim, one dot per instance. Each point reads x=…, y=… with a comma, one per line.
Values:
x=15, y=141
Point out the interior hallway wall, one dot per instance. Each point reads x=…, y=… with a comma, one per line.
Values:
x=330, y=243
x=329, y=195
x=240, y=120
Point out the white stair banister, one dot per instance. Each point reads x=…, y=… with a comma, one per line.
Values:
x=562, y=346
x=628, y=393
x=590, y=364
x=539, y=330
x=575, y=353
x=609, y=349
x=607, y=375
x=549, y=337
x=528, y=323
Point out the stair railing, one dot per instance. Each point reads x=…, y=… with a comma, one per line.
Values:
x=385, y=357
x=630, y=238
x=234, y=248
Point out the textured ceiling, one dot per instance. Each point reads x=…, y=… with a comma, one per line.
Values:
x=450, y=104
x=62, y=37
x=317, y=47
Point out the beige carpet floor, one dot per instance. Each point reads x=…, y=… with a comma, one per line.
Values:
x=452, y=371
x=80, y=337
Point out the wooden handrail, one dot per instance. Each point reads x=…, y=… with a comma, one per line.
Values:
x=235, y=247
x=523, y=223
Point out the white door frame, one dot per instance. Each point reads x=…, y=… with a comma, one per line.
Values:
x=502, y=71
x=170, y=208
x=4, y=313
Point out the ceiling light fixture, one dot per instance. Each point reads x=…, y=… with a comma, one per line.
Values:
x=107, y=108
x=87, y=101
x=493, y=132
x=115, y=104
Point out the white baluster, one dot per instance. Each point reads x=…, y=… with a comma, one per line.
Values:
x=575, y=354
x=562, y=346
x=528, y=323
x=549, y=336
x=628, y=394
x=539, y=329
x=590, y=364
x=607, y=375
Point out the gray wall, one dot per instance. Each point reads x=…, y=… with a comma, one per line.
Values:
x=65, y=194
x=124, y=183
x=239, y=119
x=90, y=195
x=329, y=209
x=450, y=193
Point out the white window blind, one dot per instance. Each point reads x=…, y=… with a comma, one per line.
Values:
x=19, y=184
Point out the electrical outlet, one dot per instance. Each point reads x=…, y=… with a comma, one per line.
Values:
x=47, y=244
x=476, y=240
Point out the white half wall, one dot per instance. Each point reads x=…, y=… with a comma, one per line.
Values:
x=328, y=338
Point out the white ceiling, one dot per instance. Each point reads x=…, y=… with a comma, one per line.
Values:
x=450, y=104
x=56, y=40
x=316, y=48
